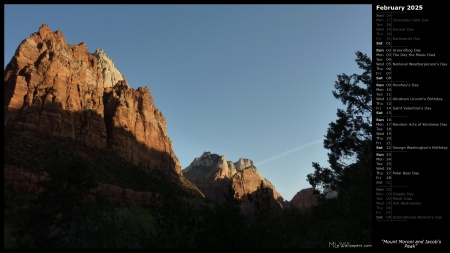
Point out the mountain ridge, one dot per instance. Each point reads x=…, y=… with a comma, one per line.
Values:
x=52, y=87
x=213, y=174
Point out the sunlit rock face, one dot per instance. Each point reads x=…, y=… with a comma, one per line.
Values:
x=111, y=75
x=54, y=88
x=213, y=175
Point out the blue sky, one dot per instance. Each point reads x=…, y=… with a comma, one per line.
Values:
x=244, y=81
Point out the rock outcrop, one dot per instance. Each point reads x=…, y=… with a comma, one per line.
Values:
x=111, y=75
x=304, y=200
x=213, y=175
x=53, y=88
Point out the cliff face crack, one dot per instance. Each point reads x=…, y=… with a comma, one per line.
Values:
x=40, y=58
x=43, y=99
x=110, y=104
x=140, y=108
x=242, y=183
x=9, y=92
x=79, y=95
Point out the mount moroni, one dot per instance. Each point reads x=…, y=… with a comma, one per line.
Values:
x=75, y=131
x=62, y=90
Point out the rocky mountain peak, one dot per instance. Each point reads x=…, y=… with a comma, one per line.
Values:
x=211, y=165
x=44, y=30
x=58, y=89
x=213, y=174
x=243, y=163
x=206, y=154
x=111, y=75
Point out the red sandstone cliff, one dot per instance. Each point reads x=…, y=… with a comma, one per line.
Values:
x=213, y=174
x=53, y=88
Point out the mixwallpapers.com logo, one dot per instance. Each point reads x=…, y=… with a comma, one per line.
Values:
x=338, y=245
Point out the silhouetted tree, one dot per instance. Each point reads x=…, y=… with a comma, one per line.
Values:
x=265, y=220
x=349, y=141
x=350, y=136
x=224, y=225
